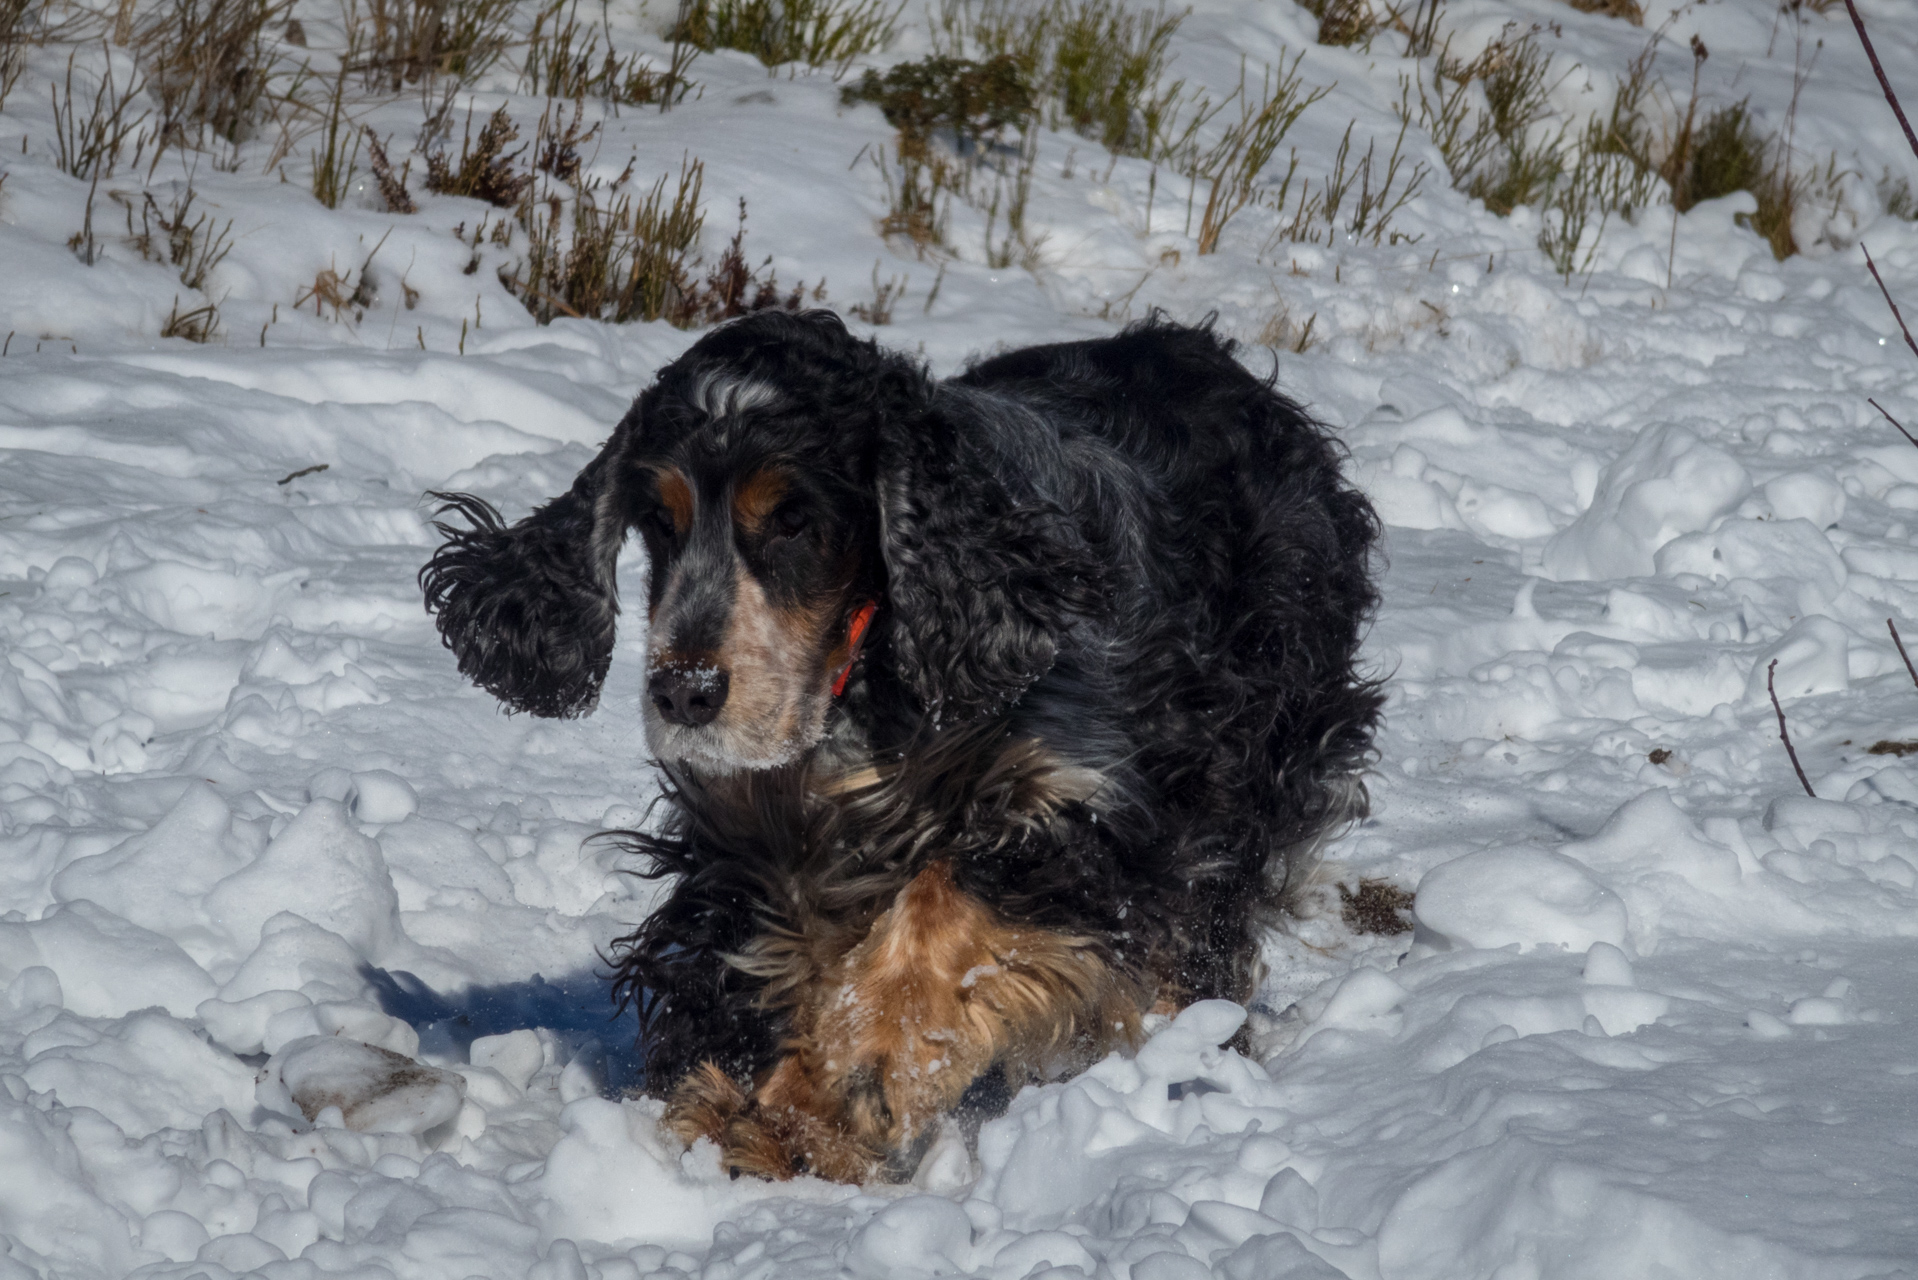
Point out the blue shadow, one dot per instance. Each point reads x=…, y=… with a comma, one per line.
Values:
x=577, y=1007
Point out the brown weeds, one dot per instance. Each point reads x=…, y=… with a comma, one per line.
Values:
x=819, y=33
x=486, y=168
x=392, y=185
x=200, y=324
x=563, y=60
x=208, y=65
x=1376, y=906
x=400, y=42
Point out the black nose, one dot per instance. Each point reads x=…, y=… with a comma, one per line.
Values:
x=689, y=696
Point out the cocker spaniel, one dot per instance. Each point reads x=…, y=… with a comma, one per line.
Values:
x=993, y=713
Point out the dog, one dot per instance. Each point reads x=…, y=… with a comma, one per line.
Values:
x=993, y=713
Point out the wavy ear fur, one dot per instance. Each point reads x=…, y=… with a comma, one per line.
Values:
x=529, y=609
x=985, y=570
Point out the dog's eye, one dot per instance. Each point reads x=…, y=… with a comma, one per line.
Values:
x=790, y=522
x=660, y=521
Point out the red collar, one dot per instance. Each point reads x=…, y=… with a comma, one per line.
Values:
x=855, y=636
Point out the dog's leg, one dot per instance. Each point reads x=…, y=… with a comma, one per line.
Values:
x=940, y=990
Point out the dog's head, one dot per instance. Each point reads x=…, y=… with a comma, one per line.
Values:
x=804, y=498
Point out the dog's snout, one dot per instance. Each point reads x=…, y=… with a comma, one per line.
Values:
x=688, y=696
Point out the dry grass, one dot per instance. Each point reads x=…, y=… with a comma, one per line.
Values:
x=1629, y=10
x=608, y=256
x=336, y=158
x=392, y=185
x=90, y=134
x=886, y=295
x=1231, y=167
x=1282, y=331
x=1506, y=153
x=1343, y=23
x=1359, y=197
x=395, y=43
x=1898, y=197
x=485, y=170
x=208, y=65
x=197, y=324
x=972, y=103
x=1728, y=153
x=952, y=115
x=1355, y=22
x=1503, y=149
x=564, y=59
x=819, y=33
x=352, y=292
x=1100, y=68
x=1376, y=906
x=920, y=186
x=19, y=32
x=192, y=242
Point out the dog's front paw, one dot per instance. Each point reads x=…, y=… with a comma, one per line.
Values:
x=784, y=1130
x=703, y=1104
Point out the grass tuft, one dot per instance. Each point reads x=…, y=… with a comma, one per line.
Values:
x=174, y=235
x=392, y=185
x=632, y=259
x=1343, y=23
x=1282, y=331
x=208, y=66
x=819, y=33
x=972, y=102
x=198, y=324
x=485, y=170
x=88, y=137
x=1100, y=68
x=17, y=35
x=1724, y=155
x=564, y=60
x=1355, y=199
x=1898, y=197
x=395, y=43
x=336, y=158
x=886, y=295
x=1232, y=166
x=1376, y=906
x=1631, y=11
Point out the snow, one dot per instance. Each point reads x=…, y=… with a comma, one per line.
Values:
x=299, y=935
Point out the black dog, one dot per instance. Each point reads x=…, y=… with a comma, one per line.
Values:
x=994, y=712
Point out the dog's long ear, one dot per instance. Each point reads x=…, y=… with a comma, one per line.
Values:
x=530, y=608
x=985, y=569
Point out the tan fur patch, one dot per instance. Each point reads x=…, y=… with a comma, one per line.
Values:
x=776, y=707
x=677, y=495
x=940, y=990
x=779, y=677
x=756, y=497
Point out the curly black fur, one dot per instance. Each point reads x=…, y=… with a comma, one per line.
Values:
x=1128, y=560
x=529, y=610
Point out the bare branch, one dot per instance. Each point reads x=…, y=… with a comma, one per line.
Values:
x=1783, y=734
x=1893, y=421
x=1901, y=650
x=1895, y=313
x=1883, y=81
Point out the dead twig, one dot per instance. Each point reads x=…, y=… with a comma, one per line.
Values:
x=1893, y=421
x=315, y=469
x=1895, y=313
x=1883, y=81
x=1783, y=733
x=392, y=185
x=1901, y=644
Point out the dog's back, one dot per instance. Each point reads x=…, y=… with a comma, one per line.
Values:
x=1238, y=576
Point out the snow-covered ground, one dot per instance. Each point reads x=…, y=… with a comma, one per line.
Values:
x=1659, y=1016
